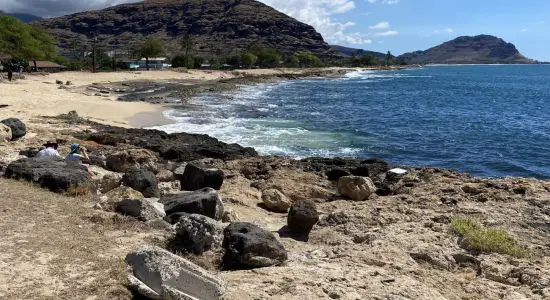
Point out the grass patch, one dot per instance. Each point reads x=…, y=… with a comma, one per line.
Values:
x=487, y=240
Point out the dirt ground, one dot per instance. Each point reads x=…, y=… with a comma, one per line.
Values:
x=57, y=247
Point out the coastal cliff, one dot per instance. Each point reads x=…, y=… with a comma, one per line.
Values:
x=481, y=49
x=227, y=27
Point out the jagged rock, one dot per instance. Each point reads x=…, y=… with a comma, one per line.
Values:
x=125, y=160
x=143, y=181
x=197, y=177
x=179, y=171
x=336, y=173
x=18, y=128
x=53, y=174
x=199, y=233
x=355, y=187
x=249, y=246
x=205, y=202
x=435, y=259
x=178, y=147
x=105, y=180
x=169, y=188
x=5, y=133
x=276, y=201
x=302, y=216
x=142, y=209
x=159, y=274
x=58, y=82
x=29, y=152
x=371, y=168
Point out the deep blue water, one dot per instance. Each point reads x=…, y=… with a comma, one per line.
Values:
x=490, y=121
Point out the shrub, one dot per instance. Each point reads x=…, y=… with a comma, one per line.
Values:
x=487, y=240
x=186, y=61
x=77, y=190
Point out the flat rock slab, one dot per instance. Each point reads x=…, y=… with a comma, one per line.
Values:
x=206, y=202
x=51, y=173
x=159, y=274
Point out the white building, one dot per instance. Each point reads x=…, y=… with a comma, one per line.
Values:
x=154, y=63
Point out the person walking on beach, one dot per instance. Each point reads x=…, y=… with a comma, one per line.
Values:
x=50, y=150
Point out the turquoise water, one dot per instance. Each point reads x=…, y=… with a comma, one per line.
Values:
x=490, y=121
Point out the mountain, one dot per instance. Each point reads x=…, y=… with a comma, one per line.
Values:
x=22, y=16
x=215, y=27
x=348, y=52
x=481, y=49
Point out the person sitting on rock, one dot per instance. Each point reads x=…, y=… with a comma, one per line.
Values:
x=78, y=154
x=50, y=150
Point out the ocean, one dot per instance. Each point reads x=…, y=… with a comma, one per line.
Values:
x=489, y=121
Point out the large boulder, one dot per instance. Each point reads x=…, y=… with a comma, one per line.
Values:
x=199, y=233
x=125, y=160
x=159, y=274
x=111, y=198
x=276, y=201
x=302, y=217
x=18, y=128
x=105, y=180
x=336, y=173
x=206, y=202
x=355, y=187
x=142, y=209
x=248, y=246
x=51, y=173
x=196, y=177
x=143, y=181
x=5, y=134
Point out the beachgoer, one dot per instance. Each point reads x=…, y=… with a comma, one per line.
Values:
x=78, y=154
x=50, y=150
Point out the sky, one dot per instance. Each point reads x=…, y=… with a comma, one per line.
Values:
x=398, y=26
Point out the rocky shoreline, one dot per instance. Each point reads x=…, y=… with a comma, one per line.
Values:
x=272, y=227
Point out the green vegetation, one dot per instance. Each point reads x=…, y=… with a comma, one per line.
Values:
x=249, y=59
x=267, y=57
x=305, y=60
x=151, y=48
x=25, y=42
x=184, y=61
x=487, y=240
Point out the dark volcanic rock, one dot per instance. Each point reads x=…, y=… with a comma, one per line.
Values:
x=143, y=181
x=53, y=174
x=215, y=26
x=197, y=177
x=302, y=216
x=181, y=147
x=481, y=49
x=249, y=246
x=18, y=128
x=371, y=168
x=335, y=173
x=205, y=202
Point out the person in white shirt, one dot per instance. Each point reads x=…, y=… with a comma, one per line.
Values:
x=50, y=150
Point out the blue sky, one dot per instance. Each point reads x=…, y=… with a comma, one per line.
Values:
x=407, y=25
x=381, y=25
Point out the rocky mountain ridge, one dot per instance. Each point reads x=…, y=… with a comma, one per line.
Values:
x=480, y=49
x=215, y=27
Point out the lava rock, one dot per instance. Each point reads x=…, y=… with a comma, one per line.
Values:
x=18, y=128
x=371, y=168
x=142, y=209
x=205, y=202
x=197, y=177
x=302, y=216
x=143, y=181
x=249, y=246
x=53, y=174
x=336, y=173
x=199, y=233
x=122, y=161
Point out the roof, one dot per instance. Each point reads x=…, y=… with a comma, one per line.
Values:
x=46, y=64
x=154, y=58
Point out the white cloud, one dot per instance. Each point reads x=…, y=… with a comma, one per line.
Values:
x=524, y=30
x=387, y=33
x=448, y=30
x=381, y=25
x=320, y=15
x=388, y=2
